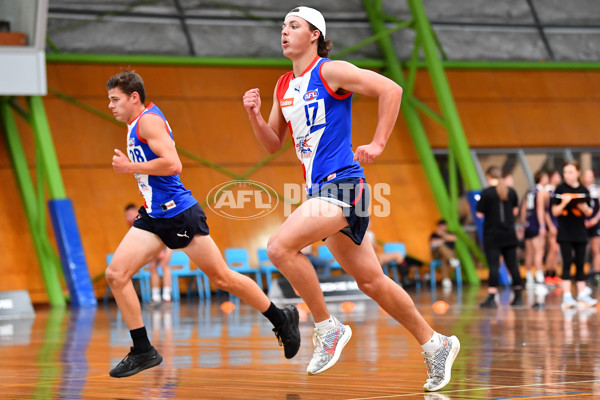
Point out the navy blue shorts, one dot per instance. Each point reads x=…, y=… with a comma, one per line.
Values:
x=352, y=195
x=532, y=231
x=593, y=231
x=175, y=232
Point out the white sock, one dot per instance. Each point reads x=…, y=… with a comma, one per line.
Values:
x=432, y=344
x=155, y=294
x=326, y=325
x=166, y=293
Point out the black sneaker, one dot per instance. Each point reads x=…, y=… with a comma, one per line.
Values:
x=134, y=363
x=489, y=303
x=288, y=334
x=518, y=299
x=538, y=306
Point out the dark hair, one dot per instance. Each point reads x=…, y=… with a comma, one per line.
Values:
x=324, y=46
x=540, y=174
x=130, y=206
x=128, y=82
x=501, y=188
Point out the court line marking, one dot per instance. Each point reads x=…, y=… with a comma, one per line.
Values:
x=449, y=393
x=566, y=394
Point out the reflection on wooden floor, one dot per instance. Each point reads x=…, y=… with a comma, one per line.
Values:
x=505, y=353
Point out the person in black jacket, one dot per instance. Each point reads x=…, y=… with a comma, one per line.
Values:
x=571, y=204
x=499, y=205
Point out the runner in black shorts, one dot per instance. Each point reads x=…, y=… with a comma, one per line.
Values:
x=314, y=102
x=172, y=217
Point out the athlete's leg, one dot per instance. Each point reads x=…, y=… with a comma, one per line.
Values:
x=203, y=251
x=538, y=244
x=552, y=255
x=314, y=220
x=137, y=248
x=154, y=280
x=595, y=248
x=163, y=259
x=206, y=255
x=361, y=262
x=529, y=261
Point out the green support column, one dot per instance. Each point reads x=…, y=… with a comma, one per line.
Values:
x=444, y=96
x=423, y=148
x=43, y=139
x=32, y=211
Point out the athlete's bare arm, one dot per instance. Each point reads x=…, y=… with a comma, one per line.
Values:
x=348, y=77
x=271, y=135
x=151, y=128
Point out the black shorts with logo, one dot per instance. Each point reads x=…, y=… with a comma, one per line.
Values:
x=352, y=195
x=175, y=232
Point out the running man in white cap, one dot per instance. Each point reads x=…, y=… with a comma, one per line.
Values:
x=314, y=102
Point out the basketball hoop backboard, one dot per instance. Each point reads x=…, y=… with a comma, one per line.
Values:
x=22, y=47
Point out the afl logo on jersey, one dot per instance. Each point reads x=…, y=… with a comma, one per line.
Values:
x=130, y=142
x=312, y=95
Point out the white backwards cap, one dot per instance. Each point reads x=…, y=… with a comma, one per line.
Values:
x=310, y=15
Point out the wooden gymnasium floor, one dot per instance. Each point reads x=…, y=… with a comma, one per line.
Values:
x=506, y=354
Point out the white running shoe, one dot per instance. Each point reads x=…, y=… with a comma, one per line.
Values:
x=539, y=276
x=568, y=302
x=529, y=281
x=587, y=291
x=328, y=347
x=439, y=364
x=586, y=301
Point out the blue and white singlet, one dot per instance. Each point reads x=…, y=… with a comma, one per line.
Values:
x=320, y=122
x=164, y=196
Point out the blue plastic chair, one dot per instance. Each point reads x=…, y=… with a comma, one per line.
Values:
x=238, y=260
x=399, y=247
x=180, y=268
x=266, y=267
x=324, y=252
x=142, y=277
x=436, y=263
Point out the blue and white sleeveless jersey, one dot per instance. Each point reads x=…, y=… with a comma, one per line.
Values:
x=164, y=196
x=531, y=219
x=320, y=122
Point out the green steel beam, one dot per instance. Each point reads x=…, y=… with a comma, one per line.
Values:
x=423, y=148
x=374, y=38
x=33, y=212
x=285, y=63
x=43, y=139
x=444, y=96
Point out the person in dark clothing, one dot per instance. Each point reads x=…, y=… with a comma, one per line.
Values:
x=571, y=204
x=441, y=243
x=499, y=205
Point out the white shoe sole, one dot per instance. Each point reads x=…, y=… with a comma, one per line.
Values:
x=448, y=369
x=338, y=351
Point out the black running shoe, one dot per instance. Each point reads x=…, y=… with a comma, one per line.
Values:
x=288, y=334
x=489, y=303
x=518, y=299
x=134, y=363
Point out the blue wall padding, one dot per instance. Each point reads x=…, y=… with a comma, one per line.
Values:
x=71, y=252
